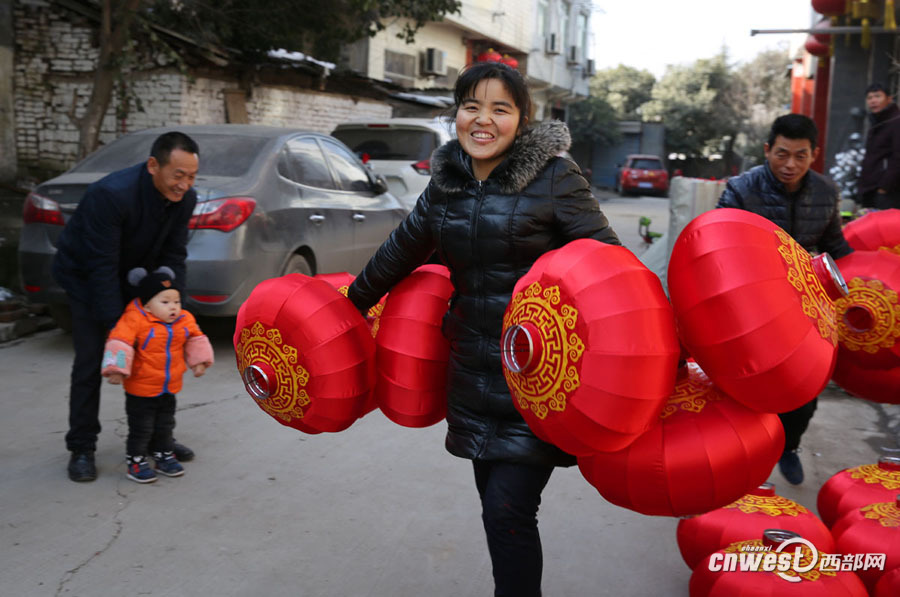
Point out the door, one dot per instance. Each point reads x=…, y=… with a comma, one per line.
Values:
x=374, y=216
x=321, y=216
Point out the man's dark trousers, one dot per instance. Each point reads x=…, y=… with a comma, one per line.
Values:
x=795, y=423
x=88, y=339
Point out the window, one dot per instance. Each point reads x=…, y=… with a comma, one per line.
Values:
x=646, y=164
x=400, y=68
x=389, y=144
x=581, y=32
x=564, y=24
x=543, y=18
x=305, y=164
x=350, y=175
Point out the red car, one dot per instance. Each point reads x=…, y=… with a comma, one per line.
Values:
x=643, y=174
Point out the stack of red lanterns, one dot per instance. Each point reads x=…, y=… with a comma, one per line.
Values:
x=741, y=569
x=859, y=486
x=747, y=518
x=867, y=531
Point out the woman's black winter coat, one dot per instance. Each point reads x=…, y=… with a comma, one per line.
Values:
x=489, y=234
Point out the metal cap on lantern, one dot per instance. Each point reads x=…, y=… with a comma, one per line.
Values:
x=589, y=349
x=754, y=309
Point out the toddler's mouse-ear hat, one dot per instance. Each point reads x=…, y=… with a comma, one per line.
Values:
x=149, y=285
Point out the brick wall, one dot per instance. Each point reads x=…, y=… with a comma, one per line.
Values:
x=53, y=73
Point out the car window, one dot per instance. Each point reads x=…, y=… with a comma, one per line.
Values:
x=220, y=154
x=306, y=164
x=646, y=164
x=350, y=175
x=389, y=144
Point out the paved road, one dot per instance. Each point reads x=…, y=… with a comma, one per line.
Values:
x=376, y=511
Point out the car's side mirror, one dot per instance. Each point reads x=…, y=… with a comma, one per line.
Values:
x=379, y=185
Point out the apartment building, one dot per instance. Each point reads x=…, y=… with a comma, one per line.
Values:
x=548, y=39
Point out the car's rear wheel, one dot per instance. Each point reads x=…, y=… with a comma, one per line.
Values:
x=298, y=264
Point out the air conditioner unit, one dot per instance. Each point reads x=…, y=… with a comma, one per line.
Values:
x=572, y=55
x=552, y=44
x=434, y=62
x=590, y=68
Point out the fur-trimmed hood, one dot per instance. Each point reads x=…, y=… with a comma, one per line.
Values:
x=451, y=169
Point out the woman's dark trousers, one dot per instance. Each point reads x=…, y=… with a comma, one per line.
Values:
x=510, y=496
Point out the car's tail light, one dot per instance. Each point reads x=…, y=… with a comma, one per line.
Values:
x=209, y=298
x=41, y=210
x=423, y=167
x=222, y=214
x=32, y=288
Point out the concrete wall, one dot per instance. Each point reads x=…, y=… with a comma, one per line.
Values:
x=53, y=74
x=7, y=105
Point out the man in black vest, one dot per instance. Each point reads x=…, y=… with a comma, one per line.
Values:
x=135, y=217
x=804, y=204
x=879, y=178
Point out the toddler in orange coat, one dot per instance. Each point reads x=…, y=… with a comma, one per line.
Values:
x=148, y=351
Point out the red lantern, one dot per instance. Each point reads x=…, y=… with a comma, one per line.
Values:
x=872, y=529
x=754, y=310
x=738, y=570
x=411, y=353
x=855, y=487
x=305, y=353
x=875, y=230
x=869, y=316
x=822, y=35
x=746, y=518
x=888, y=585
x=510, y=61
x=829, y=8
x=589, y=349
x=490, y=56
x=877, y=385
x=816, y=47
x=706, y=451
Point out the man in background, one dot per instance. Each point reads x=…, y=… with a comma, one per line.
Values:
x=135, y=217
x=879, y=179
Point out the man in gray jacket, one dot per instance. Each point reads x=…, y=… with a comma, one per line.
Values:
x=807, y=206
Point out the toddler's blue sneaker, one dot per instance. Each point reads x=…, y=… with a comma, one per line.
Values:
x=139, y=469
x=167, y=464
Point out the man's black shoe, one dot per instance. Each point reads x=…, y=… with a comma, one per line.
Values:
x=81, y=467
x=791, y=468
x=182, y=452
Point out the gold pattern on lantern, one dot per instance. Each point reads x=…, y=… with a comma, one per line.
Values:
x=887, y=514
x=814, y=300
x=774, y=505
x=881, y=302
x=872, y=473
x=691, y=394
x=261, y=344
x=547, y=387
x=806, y=558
